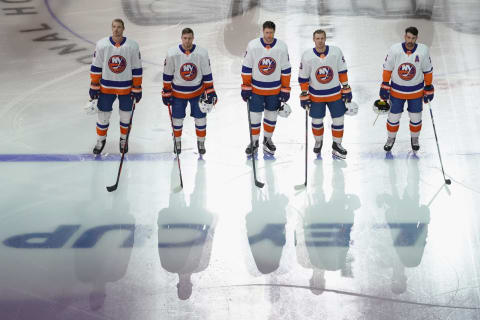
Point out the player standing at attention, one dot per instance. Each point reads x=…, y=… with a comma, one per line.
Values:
x=407, y=76
x=324, y=82
x=186, y=76
x=116, y=72
x=266, y=83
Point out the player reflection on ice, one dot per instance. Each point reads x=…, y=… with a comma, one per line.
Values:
x=185, y=233
x=408, y=221
x=322, y=236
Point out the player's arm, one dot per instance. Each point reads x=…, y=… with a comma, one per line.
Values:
x=343, y=77
x=137, y=75
x=388, y=66
x=207, y=79
x=285, y=77
x=304, y=81
x=247, y=68
x=168, y=70
x=96, y=72
x=427, y=69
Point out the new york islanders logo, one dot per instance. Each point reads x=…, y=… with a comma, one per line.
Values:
x=324, y=74
x=267, y=65
x=117, y=64
x=406, y=71
x=188, y=71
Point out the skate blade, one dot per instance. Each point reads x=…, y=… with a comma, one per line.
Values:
x=339, y=156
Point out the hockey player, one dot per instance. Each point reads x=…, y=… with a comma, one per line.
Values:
x=407, y=76
x=266, y=83
x=116, y=72
x=186, y=77
x=324, y=82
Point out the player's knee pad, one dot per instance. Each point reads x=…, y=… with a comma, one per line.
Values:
x=317, y=121
x=270, y=115
x=255, y=117
x=177, y=122
x=415, y=116
x=125, y=116
x=394, y=117
x=104, y=117
x=201, y=121
x=338, y=121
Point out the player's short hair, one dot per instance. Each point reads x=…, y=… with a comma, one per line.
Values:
x=412, y=30
x=119, y=21
x=268, y=25
x=319, y=31
x=187, y=31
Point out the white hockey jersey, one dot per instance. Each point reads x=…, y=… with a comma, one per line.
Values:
x=409, y=71
x=116, y=66
x=321, y=74
x=187, y=73
x=266, y=67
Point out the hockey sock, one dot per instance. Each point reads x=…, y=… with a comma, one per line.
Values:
x=177, y=128
x=256, y=118
x=124, y=121
x=393, y=123
x=201, y=128
x=317, y=129
x=103, y=121
x=269, y=122
x=337, y=129
x=415, y=123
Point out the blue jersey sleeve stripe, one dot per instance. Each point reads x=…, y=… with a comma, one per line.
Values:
x=137, y=72
x=167, y=77
x=246, y=69
x=208, y=77
x=287, y=71
x=95, y=69
x=303, y=80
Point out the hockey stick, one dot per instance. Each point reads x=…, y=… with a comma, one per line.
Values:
x=114, y=187
x=257, y=183
x=301, y=186
x=447, y=181
x=175, y=147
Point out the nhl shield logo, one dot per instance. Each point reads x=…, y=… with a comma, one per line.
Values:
x=324, y=74
x=117, y=64
x=188, y=71
x=406, y=71
x=267, y=65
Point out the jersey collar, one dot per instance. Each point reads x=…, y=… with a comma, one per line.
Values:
x=117, y=45
x=406, y=50
x=325, y=53
x=185, y=51
x=271, y=45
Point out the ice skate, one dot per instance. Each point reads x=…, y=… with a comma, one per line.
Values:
x=389, y=144
x=268, y=146
x=99, y=146
x=339, y=151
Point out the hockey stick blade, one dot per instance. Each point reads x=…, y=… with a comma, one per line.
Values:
x=112, y=188
x=259, y=184
x=300, y=186
x=448, y=181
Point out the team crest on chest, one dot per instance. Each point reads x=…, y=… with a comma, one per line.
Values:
x=188, y=71
x=324, y=74
x=267, y=65
x=406, y=71
x=117, y=64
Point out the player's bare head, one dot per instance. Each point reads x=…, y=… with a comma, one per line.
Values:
x=319, y=37
x=268, y=31
x=187, y=38
x=411, y=34
x=118, y=27
x=319, y=32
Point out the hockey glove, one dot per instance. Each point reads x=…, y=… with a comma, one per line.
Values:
x=346, y=94
x=305, y=101
x=284, y=94
x=211, y=96
x=428, y=93
x=94, y=91
x=167, y=97
x=246, y=92
x=136, y=94
x=385, y=91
